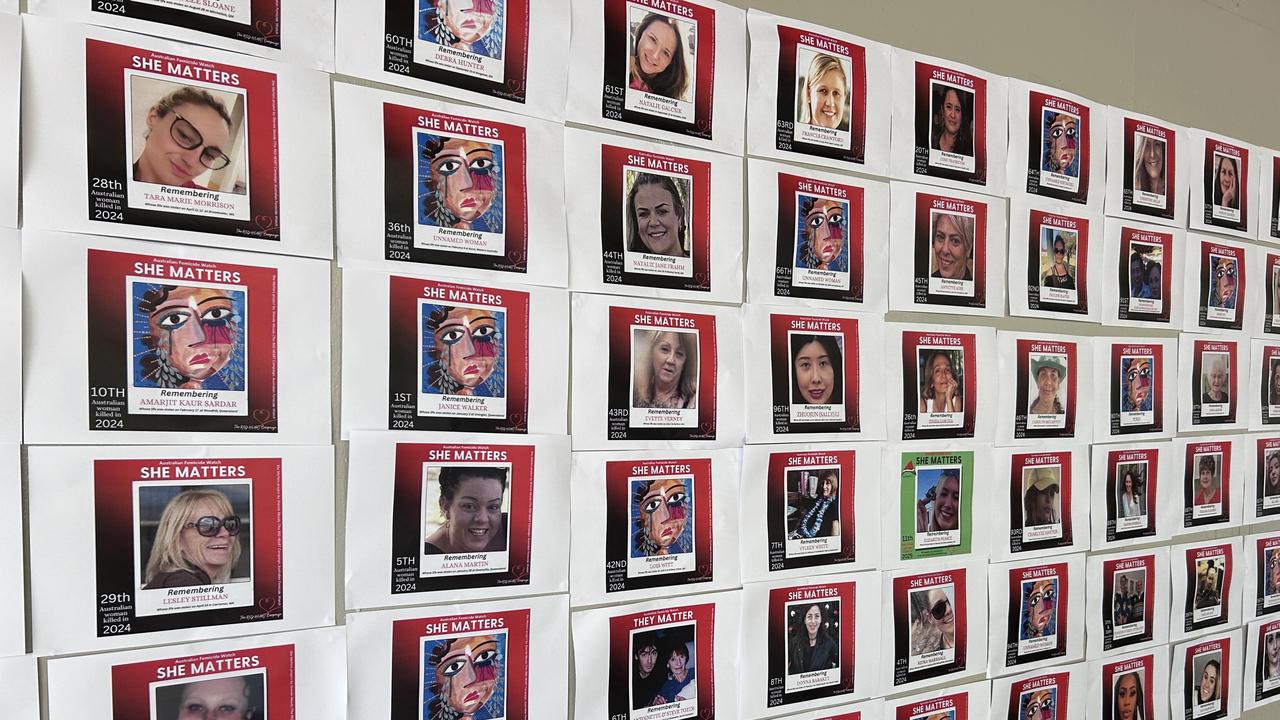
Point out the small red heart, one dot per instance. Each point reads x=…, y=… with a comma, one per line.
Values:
x=265, y=222
x=263, y=416
x=265, y=28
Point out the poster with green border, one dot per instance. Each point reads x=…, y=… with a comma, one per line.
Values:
x=936, y=493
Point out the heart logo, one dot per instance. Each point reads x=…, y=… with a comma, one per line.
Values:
x=517, y=419
x=515, y=86
x=263, y=417
x=266, y=28
x=520, y=572
x=704, y=125
x=704, y=570
x=517, y=257
x=268, y=604
x=702, y=278
x=265, y=222
x=708, y=428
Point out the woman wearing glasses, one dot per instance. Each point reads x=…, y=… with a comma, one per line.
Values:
x=1059, y=274
x=933, y=626
x=188, y=134
x=197, y=541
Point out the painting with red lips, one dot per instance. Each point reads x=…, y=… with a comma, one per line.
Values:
x=1045, y=353
x=481, y=47
x=801, y=534
x=921, y=648
x=1149, y=173
x=650, y=347
x=658, y=524
x=815, y=374
x=1027, y=474
x=655, y=219
x=640, y=85
x=1055, y=687
x=672, y=629
x=132, y=500
x=456, y=190
x=149, y=113
x=820, y=240
x=458, y=357
x=841, y=135
x=950, y=251
x=1036, y=622
x=1221, y=283
x=1137, y=388
x=474, y=664
x=1057, y=157
x=250, y=21
x=503, y=560
x=1206, y=507
x=827, y=671
x=1226, y=177
x=959, y=102
x=154, y=689
x=172, y=345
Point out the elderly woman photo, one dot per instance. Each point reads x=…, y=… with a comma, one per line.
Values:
x=656, y=220
x=189, y=134
x=951, y=129
x=657, y=63
x=471, y=503
x=824, y=92
x=1208, y=486
x=821, y=237
x=1226, y=188
x=811, y=643
x=462, y=677
x=196, y=543
x=1048, y=372
x=666, y=370
x=952, y=245
x=1213, y=383
x=193, y=337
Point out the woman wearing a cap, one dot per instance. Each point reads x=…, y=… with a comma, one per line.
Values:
x=1048, y=372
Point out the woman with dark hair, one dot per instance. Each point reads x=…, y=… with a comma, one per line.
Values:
x=1127, y=702
x=1273, y=390
x=662, y=513
x=669, y=378
x=817, y=366
x=680, y=684
x=933, y=621
x=810, y=646
x=655, y=216
x=822, y=519
x=188, y=133
x=194, y=337
x=467, y=671
x=471, y=503
x=1208, y=688
x=1131, y=504
x=1226, y=188
x=1148, y=166
x=657, y=58
x=952, y=126
x=822, y=235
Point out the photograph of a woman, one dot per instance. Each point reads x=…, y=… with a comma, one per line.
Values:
x=681, y=683
x=1039, y=611
x=1057, y=271
x=1273, y=387
x=1271, y=656
x=1148, y=166
x=1145, y=274
x=810, y=515
x=664, y=369
x=465, y=510
x=823, y=91
x=941, y=375
x=1131, y=499
x=460, y=183
x=1214, y=380
x=662, y=516
x=933, y=620
x=1048, y=372
x=475, y=26
x=1058, y=149
x=188, y=337
x=464, y=678
x=657, y=214
x=1222, y=282
x=813, y=631
x=938, y=500
x=185, y=136
x=817, y=369
x=229, y=697
x=1226, y=185
x=1041, y=498
x=662, y=54
x=1128, y=702
x=821, y=232
x=1271, y=562
x=464, y=351
x=196, y=538
x=951, y=129
x=1208, y=669
x=952, y=247
x=1208, y=484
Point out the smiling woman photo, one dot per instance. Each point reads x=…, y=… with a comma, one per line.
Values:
x=188, y=134
x=197, y=541
x=656, y=221
x=471, y=500
x=666, y=376
x=824, y=91
x=817, y=370
x=657, y=63
x=952, y=245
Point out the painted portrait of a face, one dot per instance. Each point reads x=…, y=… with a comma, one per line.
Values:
x=189, y=337
x=662, y=510
x=465, y=677
x=465, y=351
x=1060, y=141
x=1137, y=375
x=461, y=183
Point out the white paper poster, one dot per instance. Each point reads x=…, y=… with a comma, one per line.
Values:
x=653, y=220
x=806, y=652
x=652, y=524
x=1057, y=146
x=825, y=380
x=1054, y=692
x=816, y=239
x=671, y=658
x=1135, y=494
x=946, y=251
x=20, y=687
x=1262, y=663
x=1260, y=554
x=817, y=95
x=949, y=124
x=670, y=69
x=13, y=604
x=935, y=615
x=671, y=374
x=1213, y=382
x=10, y=87
x=946, y=373
x=1148, y=162
x=1134, y=393
x=297, y=674
x=475, y=193
x=1212, y=481
x=1037, y=613
x=1262, y=478
x=1041, y=501
x=1268, y=199
x=1206, y=677
x=429, y=354
x=970, y=701
x=455, y=517
x=1217, y=297
x=180, y=544
x=934, y=500
x=1049, y=398
x=1127, y=607
x=1207, y=587
x=253, y=367
x=289, y=32
x=1056, y=267
x=1223, y=177
x=479, y=659
x=1134, y=685
x=11, y=329
x=1262, y=394
x=186, y=144
x=819, y=504
x=506, y=54
x=1142, y=267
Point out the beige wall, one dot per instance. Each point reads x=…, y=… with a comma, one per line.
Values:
x=1203, y=63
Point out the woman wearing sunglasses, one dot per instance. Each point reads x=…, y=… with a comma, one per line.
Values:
x=188, y=134
x=197, y=541
x=934, y=625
